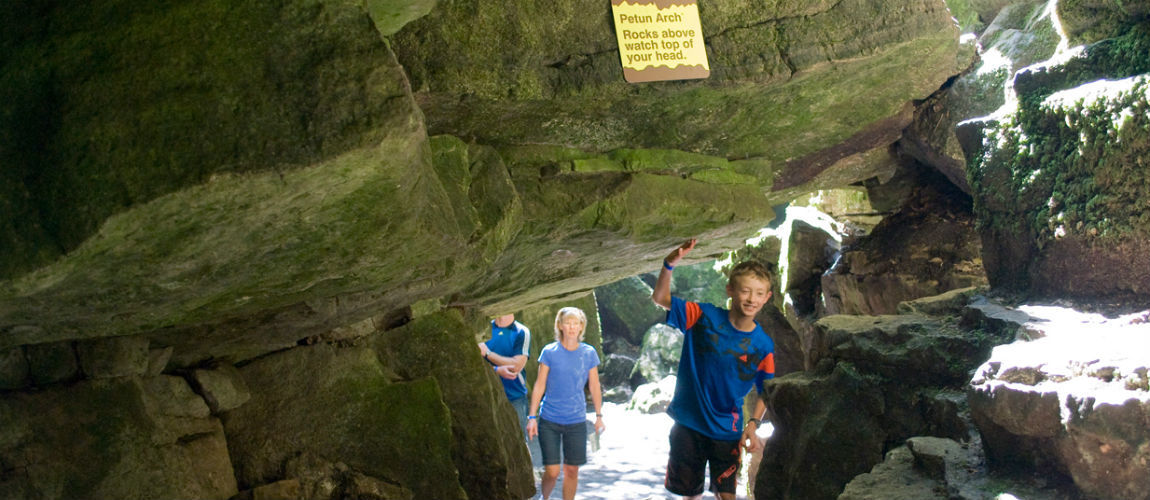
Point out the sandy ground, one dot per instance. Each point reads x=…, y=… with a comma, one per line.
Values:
x=630, y=461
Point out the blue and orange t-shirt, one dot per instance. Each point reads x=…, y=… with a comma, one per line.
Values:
x=718, y=366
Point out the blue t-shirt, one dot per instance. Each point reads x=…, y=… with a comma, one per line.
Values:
x=511, y=341
x=563, y=400
x=717, y=369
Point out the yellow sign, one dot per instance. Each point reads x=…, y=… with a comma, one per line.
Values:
x=660, y=40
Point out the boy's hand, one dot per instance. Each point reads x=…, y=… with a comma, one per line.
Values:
x=507, y=371
x=532, y=428
x=751, y=441
x=677, y=254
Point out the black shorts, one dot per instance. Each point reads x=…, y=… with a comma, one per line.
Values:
x=690, y=453
x=573, y=438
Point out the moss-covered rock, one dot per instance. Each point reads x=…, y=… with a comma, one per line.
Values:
x=487, y=447
x=626, y=309
x=1055, y=180
x=1087, y=21
x=128, y=102
x=127, y=438
x=344, y=404
x=779, y=73
x=879, y=381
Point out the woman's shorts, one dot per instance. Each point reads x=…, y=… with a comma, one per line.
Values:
x=573, y=438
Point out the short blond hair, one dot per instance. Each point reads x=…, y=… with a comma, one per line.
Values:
x=563, y=314
x=752, y=268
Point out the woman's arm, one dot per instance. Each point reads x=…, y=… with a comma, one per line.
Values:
x=536, y=398
x=596, y=397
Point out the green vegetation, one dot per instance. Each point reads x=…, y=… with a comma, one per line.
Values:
x=1076, y=165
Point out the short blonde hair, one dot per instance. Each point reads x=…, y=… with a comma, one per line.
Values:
x=750, y=268
x=563, y=314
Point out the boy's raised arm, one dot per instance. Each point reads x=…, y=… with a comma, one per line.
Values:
x=661, y=293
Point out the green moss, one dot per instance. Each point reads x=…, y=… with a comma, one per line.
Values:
x=131, y=101
x=391, y=15
x=1071, y=170
x=784, y=113
x=966, y=15
x=1088, y=21
x=250, y=243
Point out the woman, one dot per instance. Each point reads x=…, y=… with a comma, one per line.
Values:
x=565, y=366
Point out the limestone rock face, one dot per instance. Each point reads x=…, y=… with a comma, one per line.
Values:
x=662, y=346
x=626, y=309
x=923, y=469
x=1073, y=402
x=124, y=437
x=555, y=70
x=314, y=198
x=300, y=189
x=878, y=381
x=1015, y=35
x=341, y=403
x=1052, y=177
x=928, y=247
x=809, y=254
x=487, y=447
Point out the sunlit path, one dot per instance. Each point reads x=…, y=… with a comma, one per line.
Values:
x=631, y=459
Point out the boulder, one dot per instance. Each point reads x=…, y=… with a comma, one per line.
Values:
x=113, y=357
x=52, y=363
x=13, y=369
x=876, y=384
x=616, y=371
x=951, y=303
x=810, y=250
x=926, y=468
x=1073, y=403
x=1050, y=178
x=662, y=346
x=133, y=432
x=341, y=402
x=626, y=309
x=653, y=397
x=487, y=446
x=222, y=387
x=926, y=248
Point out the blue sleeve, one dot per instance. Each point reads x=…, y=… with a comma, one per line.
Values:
x=592, y=356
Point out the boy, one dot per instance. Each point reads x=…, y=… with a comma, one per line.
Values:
x=725, y=352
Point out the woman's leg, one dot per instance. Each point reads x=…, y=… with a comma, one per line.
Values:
x=550, y=437
x=570, y=481
x=550, y=476
x=574, y=455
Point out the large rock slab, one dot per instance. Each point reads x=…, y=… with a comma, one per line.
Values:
x=1073, y=402
x=343, y=404
x=487, y=445
x=116, y=438
x=1051, y=177
x=552, y=76
x=626, y=310
x=878, y=381
x=927, y=247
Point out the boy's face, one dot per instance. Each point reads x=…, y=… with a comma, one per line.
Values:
x=748, y=294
